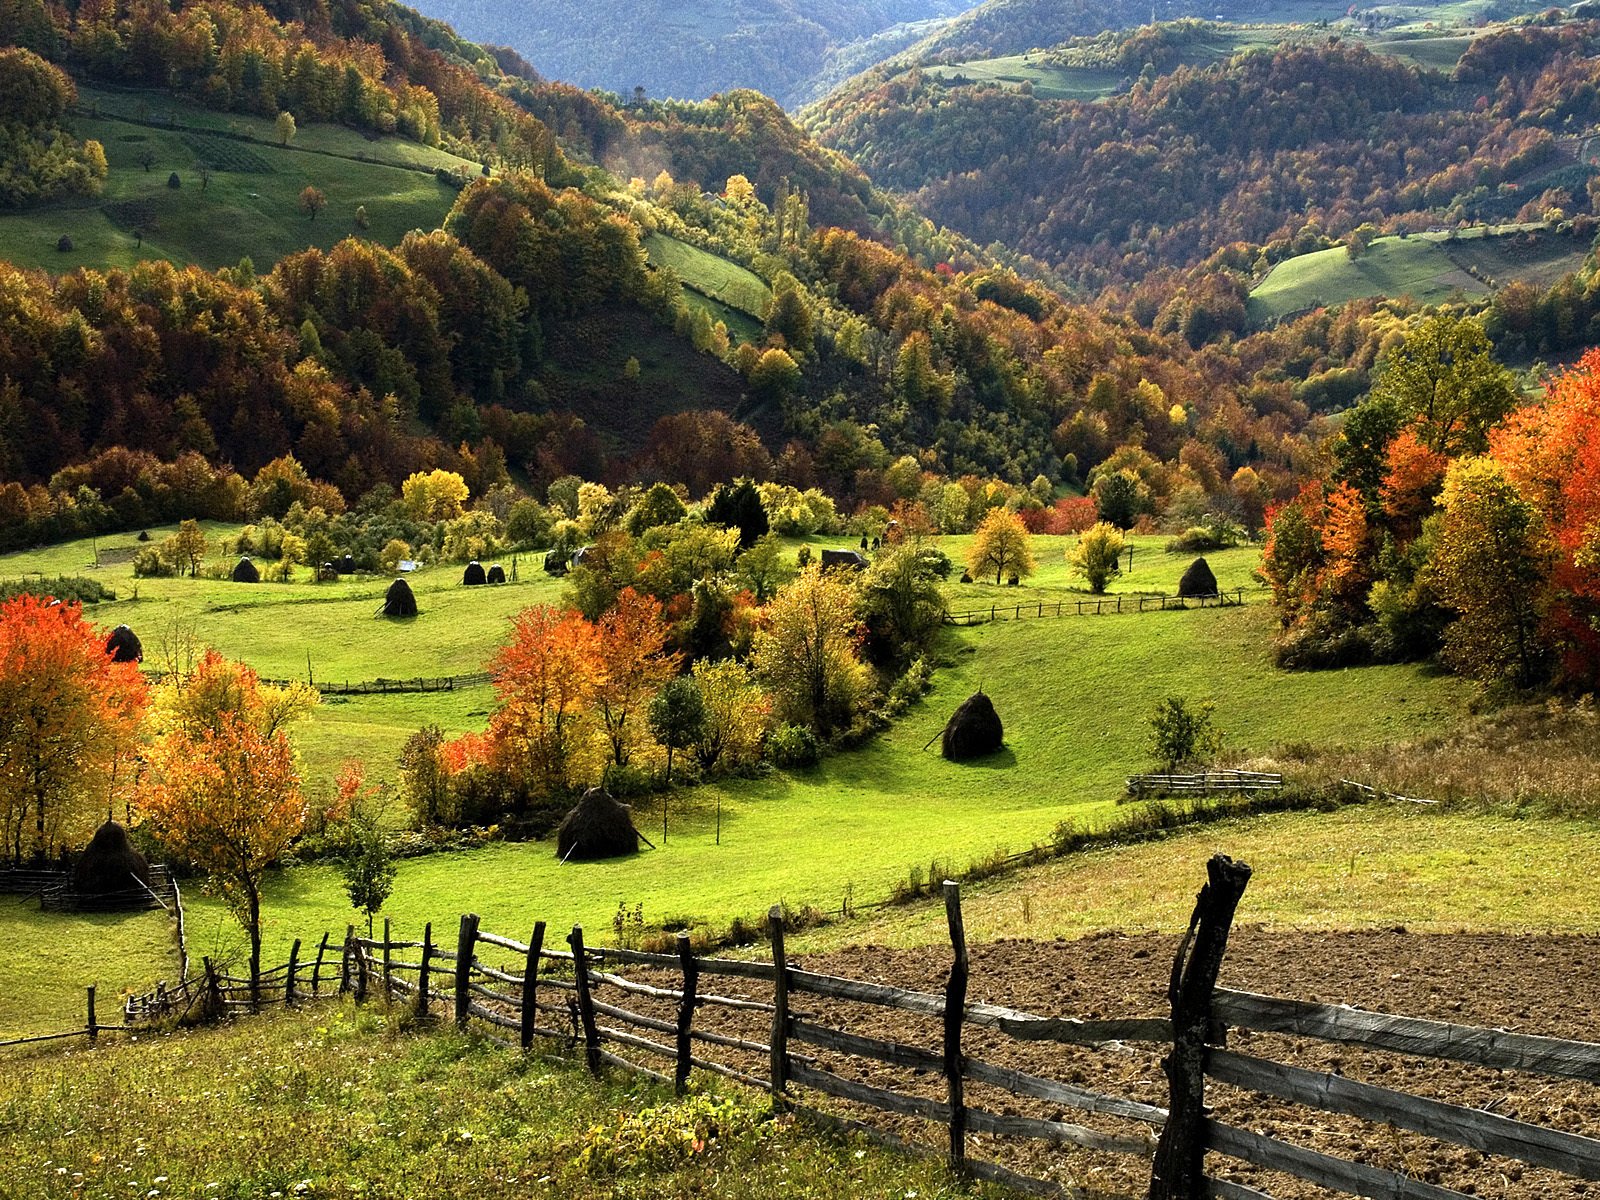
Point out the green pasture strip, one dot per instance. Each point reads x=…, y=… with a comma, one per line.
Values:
x=1392, y=266
x=1368, y=866
x=1049, y=81
x=710, y=274
x=340, y=1102
x=51, y=957
x=1075, y=696
x=249, y=207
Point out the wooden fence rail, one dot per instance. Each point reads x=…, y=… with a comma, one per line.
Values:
x=1204, y=783
x=1096, y=607
x=654, y=1014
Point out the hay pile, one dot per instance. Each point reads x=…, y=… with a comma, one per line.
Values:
x=347, y=565
x=245, y=571
x=123, y=645
x=110, y=864
x=474, y=575
x=497, y=574
x=399, y=601
x=1198, y=580
x=973, y=730
x=597, y=827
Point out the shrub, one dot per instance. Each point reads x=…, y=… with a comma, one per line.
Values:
x=794, y=746
x=66, y=588
x=148, y=563
x=1181, y=732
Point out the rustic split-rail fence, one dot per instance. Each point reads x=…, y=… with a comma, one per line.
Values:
x=772, y=1025
x=1097, y=607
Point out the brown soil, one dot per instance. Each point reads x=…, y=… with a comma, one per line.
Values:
x=1543, y=985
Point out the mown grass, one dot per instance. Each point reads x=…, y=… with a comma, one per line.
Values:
x=250, y=206
x=339, y=1102
x=714, y=276
x=52, y=956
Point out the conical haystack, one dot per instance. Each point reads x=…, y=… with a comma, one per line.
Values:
x=110, y=864
x=973, y=730
x=597, y=827
x=474, y=575
x=123, y=645
x=497, y=573
x=1198, y=580
x=245, y=571
x=400, y=600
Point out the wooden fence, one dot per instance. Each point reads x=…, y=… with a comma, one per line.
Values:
x=1204, y=783
x=780, y=1028
x=1099, y=606
x=92, y=1028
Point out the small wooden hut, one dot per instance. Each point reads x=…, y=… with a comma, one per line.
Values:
x=123, y=645
x=973, y=730
x=597, y=827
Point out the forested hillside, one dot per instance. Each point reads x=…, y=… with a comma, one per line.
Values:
x=689, y=52
x=1271, y=146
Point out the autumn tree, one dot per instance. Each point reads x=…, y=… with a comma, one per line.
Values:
x=1444, y=375
x=1095, y=555
x=312, y=201
x=198, y=702
x=807, y=653
x=547, y=678
x=1489, y=564
x=189, y=546
x=69, y=720
x=736, y=712
x=1002, y=543
x=284, y=127
x=435, y=495
x=227, y=799
x=633, y=664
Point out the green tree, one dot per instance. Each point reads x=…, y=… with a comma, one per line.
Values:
x=1444, y=375
x=1490, y=565
x=1096, y=555
x=902, y=604
x=677, y=717
x=1181, y=732
x=807, y=654
x=284, y=127
x=1001, y=542
x=1119, y=497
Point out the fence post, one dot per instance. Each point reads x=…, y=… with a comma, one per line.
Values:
x=94, y=1032
x=213, y=991
x=386, y=973
x=422, y=975
x=362, y=969
x=316, y=971
x=344, y=960
x=691, y=982
x=955, y=1012
x=580, y=971
x=1178, y=1172
x=530, y=985
x=288, y=981
x=464, y=944
x=780, y=1006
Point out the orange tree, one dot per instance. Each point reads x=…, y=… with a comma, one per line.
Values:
x=547, y=677
x=69, y=720
x=634, y=663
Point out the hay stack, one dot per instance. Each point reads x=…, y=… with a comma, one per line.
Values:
x=473, y=576
x=497, y=573
x=555, y=562
x=400, y=600
x=123, y=645
x=245, y=571
x=1198, y=580
x=347, y=565
x=973, y=730
x=110, y=864
x=597, y=827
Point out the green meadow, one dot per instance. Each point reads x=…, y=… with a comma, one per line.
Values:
x=710, y=275
x=248, y=206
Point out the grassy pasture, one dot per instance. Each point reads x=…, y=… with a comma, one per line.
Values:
x=715, y=277
x=250, y=207
x=1050, y=81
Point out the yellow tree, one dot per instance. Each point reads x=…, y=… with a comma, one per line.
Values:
x=69, y=718
x=807, y=653
x=1096, y=555
x=1001, y=542
x=434, y=495
x=228, y=800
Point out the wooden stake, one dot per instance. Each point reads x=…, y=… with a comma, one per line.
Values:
x=344, y=960
x=288, y=981
x=780, y=1007
x=422, y=975
x=386, y=972
x=580, y=970
x=530, y=985
x=316, y=971
x=464, y=946
x=955, y=1010
x=94, y=1031
x=686, y=1005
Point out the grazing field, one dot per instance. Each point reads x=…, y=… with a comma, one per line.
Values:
x=1048, y=80
x=249, y=205
x=711, y=275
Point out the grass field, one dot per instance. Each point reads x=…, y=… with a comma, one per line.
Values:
x=249, y=207
x=1427, y=267
x=715, y=277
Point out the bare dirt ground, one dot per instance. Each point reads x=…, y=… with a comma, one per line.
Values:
x=1547, y=985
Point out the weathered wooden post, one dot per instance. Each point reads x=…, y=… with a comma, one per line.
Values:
x=955, y=1012
x=465, y=942
x=1179, y=1169
x=422, y=975
x=213, y=991
x=94, y=1032
x=580, y=971
x=780, y=1007
x=316, y=971
x=387, y=989
x=362, y=969
x=288, y=980
x=344, y=960
x=530, y=985
x=686, y=1003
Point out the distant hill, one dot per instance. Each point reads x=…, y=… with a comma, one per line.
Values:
x=691, y=51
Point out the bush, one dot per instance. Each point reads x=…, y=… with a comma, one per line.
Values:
x=794, y=746
x=1181, y=732
x=1322, y=643
x=66, y=588
x=148, y=563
